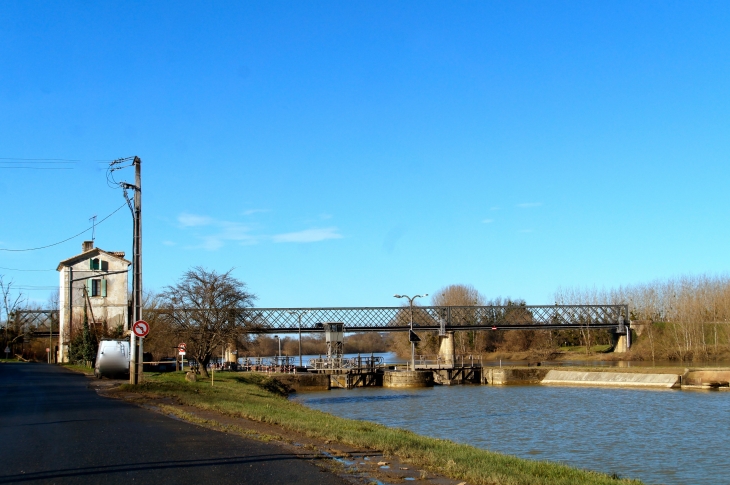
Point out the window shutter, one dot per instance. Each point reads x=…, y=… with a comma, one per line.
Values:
x=105, y=265
x=103, y=287
x=89, y=288
x=91, y=263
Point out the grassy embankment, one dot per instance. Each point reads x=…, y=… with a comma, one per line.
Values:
x=581, y=349
x=259, y=398
x=79, y=368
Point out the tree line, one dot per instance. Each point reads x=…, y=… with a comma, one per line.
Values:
x=679, y=319
x=685, y=318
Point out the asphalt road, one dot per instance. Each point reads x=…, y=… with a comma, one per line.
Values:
x=55, y=429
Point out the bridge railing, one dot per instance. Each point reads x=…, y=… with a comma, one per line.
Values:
x=384, y=319
x=439, y=318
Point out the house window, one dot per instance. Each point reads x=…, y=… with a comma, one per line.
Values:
x=97, y=264
x=96, y=287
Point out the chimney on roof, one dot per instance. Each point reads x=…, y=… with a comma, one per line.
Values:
x=87, y=246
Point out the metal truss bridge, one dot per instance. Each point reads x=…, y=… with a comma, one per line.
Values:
x=436, y=318
x=393, y=319
x=39, y=323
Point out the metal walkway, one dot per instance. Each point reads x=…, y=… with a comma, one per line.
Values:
x=438, y=318
x=395, y=319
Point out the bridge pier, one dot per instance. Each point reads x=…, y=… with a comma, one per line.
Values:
x=621, y=342
x=408, y=378
x=446, y=348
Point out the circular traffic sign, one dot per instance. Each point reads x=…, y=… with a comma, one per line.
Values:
x=182, y=346
x=141, y=328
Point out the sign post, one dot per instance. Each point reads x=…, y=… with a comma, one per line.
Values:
x=140, y=329
x=182, y=350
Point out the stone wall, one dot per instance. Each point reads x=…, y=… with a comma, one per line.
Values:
x=419, y=378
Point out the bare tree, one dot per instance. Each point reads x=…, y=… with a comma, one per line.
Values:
x=464, y=296
x=201, y=310
x=10, y=304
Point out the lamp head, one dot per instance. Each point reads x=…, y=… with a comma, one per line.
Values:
x=398, y=296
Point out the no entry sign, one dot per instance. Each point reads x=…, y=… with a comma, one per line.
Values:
x=141, y=328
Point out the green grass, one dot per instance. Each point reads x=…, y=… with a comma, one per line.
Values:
x=260, y=398
x=79, y=368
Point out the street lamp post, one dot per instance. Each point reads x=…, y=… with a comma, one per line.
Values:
x=299, y=314
x=278, y=360
x=413, y=344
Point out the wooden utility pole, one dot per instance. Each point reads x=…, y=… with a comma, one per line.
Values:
x=136, y=348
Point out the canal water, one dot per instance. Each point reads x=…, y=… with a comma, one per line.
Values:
x=658, y=436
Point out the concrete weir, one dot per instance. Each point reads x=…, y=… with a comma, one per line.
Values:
x=612, y=379
x=408, y=378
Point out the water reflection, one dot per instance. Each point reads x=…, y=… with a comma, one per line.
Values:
x=659, y=436
x=358, y=399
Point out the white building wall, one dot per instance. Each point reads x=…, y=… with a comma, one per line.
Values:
x=109, y=311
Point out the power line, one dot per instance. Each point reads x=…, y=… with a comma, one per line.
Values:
x=68, y=239
x=55, y=160
x=40, y=168
x=42, y=159
x=17, y=269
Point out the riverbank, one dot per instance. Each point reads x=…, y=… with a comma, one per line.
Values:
x=260, y=399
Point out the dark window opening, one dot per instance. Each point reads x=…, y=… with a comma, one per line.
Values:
x=97, y=287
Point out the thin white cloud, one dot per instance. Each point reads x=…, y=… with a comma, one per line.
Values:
x=220, y=233
x=213, y=234
x=527, y=205
x=228, y=232
x=487, y=221
x=169, y=243
x=308, y=236
x=254, y=211
x=193, y=220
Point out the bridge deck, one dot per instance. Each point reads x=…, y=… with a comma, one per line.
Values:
x=443, y=318
x=397, y=319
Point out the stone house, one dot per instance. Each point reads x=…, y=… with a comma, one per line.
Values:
x=99, y=279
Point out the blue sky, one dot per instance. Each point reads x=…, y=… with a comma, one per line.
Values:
x=336, y=153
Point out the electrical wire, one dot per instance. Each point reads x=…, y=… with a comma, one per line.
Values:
x=110, y=180
x=53, y=160
x=17, y=269
x=45, y=160
x=16, y=163
x=68, y=239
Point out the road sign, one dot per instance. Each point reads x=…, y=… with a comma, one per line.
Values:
x=182, y=352
x=182, y=347
x=141, y=328
x=412, y=337
x=47, y=349
x=7, y=349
